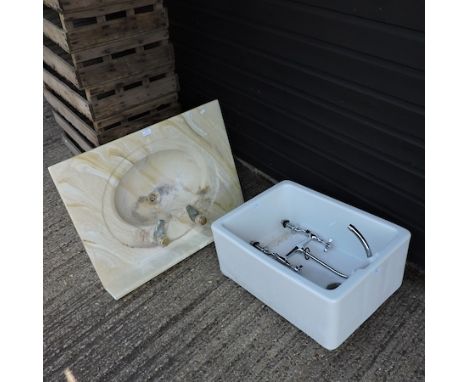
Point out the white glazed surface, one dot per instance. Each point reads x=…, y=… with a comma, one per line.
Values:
x=328, y=316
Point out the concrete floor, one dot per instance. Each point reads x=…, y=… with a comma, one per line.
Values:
x=193, y=324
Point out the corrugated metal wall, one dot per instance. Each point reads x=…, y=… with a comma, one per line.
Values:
x=328, y=93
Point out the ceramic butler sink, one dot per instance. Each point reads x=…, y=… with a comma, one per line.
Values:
x=328, y=306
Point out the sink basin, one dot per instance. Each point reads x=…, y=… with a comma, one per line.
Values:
x=174, y=173
x=328, y=306
x=144, y=202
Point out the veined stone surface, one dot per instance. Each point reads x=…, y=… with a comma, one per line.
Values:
x=133, y=201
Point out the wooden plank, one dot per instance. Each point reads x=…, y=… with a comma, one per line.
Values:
x=98, y=90
x=132, y=126
x=67, y=93
x=157, y=60
x=72, y=132
x=71, y=116
x=56, y=34
x=128, y=113
x=79, y=5
x=104, y=33
x=54, y=4
x=125, y=126
x=110, y=8
x=60, y=65
x=133, y=97
x=72, y=146
x=110, y=68
x=120, y=45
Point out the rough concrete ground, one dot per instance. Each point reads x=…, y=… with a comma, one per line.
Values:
x=193, y=324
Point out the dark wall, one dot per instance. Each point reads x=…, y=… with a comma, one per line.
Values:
x=327, y=93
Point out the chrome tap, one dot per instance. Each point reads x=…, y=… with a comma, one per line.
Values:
x=277, y=257
x=326, y=243
x=308, y=255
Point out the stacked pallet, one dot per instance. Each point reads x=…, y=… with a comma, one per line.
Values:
x=108, y=68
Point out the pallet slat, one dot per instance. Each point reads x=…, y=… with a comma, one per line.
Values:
x=107, y=100
x=131, y=127
x=72, y=146
x=133, y=97
x=113, y=65
x=125, y=115
x=60, y=65
x=54, y=4
x=132, y=65
x=71, y=116
x=56, y=34
x=120, y=45
x=123, y=124
x=63, y=123
x=110, y=8
x=69, y=6
x=67, y=93
x=119, y=29
x=81, y=143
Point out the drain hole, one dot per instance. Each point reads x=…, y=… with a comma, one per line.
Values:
x=333, y=286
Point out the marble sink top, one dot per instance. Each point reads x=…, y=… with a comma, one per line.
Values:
x=146, y=201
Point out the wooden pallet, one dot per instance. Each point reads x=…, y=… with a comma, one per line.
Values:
x=78, y=132
x=148, y=54
x=116, y=126
x=105, y=101
x=66, y=6
x=108, y=68
x=113, y=23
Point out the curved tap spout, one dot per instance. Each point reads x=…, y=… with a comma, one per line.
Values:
x=361, y=238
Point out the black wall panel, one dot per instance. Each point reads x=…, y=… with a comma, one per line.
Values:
x=324, y=92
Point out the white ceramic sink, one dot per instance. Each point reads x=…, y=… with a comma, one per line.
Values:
x=330, y=315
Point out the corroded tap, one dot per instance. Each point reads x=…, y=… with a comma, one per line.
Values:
x=195, y=215
x=160, y=235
